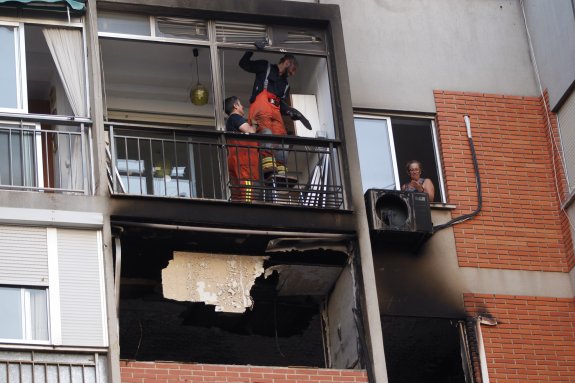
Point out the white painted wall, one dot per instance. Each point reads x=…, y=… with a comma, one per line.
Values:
x=552, y=29
x=399, y=51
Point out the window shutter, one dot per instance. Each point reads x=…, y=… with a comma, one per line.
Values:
x=182, y=28
x=566, y=118
x=23, y=256
x=240, y=33
x=81, y=292
x=306, y=39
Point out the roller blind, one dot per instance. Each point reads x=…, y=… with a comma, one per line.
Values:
x=23, y=256
x=240, y=33
x=81, y=291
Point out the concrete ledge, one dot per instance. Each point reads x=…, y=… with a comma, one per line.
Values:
x=51, y=218
x=517, y=282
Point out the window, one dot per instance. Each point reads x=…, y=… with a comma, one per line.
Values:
x=151, y=68
x=24, y=314
x=386, y=144
x=10, y=74
x=42, y=69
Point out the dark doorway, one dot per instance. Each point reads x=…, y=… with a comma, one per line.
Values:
x=422, y=350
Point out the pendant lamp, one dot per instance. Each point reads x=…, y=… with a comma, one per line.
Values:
x=199, y=94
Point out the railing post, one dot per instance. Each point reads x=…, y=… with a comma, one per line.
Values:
x=113, y=157
x=83, y=159
x=91, y=149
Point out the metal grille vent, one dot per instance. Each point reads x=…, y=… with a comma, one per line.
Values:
x=181, y=28
x=240, y=33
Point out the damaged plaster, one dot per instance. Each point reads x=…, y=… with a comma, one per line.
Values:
x=221, y=280
x=297, y=280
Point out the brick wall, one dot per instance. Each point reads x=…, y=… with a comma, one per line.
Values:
x=155, y=372
x=519, y=226
x=534, y=340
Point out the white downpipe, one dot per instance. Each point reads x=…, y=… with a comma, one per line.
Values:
x=481, y=348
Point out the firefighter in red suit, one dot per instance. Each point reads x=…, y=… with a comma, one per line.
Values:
x=243, y=161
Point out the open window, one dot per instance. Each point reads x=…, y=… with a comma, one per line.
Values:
x=310, y=90
x=314, y=168
x=151, y=69
x=386, y=144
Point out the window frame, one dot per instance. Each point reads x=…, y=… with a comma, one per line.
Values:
x=216, y=46
x=388, y=117
x=20, y=62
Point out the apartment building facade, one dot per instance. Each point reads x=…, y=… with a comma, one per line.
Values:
x=129, y=255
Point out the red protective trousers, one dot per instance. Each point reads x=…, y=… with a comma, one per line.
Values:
x=243, y=168
x=266, y=115
x=268, y=119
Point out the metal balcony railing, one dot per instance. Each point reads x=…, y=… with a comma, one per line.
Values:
x=47, y=367
x=201, y=164
x=44, y=153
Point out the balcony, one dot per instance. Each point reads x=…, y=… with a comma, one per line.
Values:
x=185, y=163
x=45, y=154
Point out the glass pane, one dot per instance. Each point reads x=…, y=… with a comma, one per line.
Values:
x=17, y=151
x=124, y=23
x=38, y=314
x=375, y=158
x=11, y=309
x=8, y=69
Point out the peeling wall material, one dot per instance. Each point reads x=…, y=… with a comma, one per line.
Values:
x=215, y=279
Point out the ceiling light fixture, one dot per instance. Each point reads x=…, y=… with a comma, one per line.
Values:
x=199, y=94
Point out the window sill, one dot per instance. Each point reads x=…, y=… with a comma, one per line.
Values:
x=39, y=347
x=441, y=206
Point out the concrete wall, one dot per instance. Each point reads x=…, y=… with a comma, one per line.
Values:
x=552, y=29
x=398, y=52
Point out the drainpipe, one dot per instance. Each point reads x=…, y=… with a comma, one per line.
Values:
x=481, y=347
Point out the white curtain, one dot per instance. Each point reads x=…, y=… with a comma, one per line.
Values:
x=66, y=49
x=38, y=314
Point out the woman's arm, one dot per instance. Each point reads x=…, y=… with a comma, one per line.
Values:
x=429, y=189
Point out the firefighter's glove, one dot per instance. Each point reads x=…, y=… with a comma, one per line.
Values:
x=261, y=44
x=296, y=115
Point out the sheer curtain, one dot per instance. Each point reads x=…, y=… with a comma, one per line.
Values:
x=66, y=48
x=38, y=314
